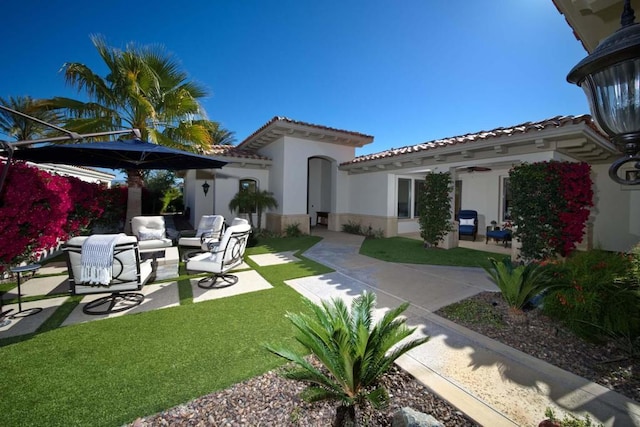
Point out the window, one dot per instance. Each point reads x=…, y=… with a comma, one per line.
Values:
x=506, y=199
x=250, y=185
x=404, y=197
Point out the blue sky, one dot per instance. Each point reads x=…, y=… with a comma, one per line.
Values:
x=404, y=71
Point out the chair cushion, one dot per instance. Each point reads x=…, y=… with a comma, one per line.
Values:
x=467, y=229
x=464, y=221
x=146, y=233
x=499, y=234
x=145, y=245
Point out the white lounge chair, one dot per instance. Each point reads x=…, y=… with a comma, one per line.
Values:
x=210, y=230
x=151, y=233
x=128, y=274
x=226, y=255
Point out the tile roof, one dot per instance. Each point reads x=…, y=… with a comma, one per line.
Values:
x=235, y=152
x=522, y=128
x=296, y=122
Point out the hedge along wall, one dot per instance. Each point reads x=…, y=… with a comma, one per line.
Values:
x=39, y=210
x=551, y=205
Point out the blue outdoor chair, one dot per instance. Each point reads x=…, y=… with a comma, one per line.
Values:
x=468, y=223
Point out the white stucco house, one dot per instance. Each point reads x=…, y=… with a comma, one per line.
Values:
x=312, y=168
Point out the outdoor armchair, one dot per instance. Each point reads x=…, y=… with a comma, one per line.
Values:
x=210, y=230
x=226, y=255
x=151, y=233
x=126, y=275
x=468, y=223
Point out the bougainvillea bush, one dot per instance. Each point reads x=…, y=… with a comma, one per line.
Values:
x=551, y=205
x=38, y=210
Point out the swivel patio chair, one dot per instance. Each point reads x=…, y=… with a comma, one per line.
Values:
x=151, y=233
x=226, y=255
x=125, y=274
x=210, y=230
x=468, y=224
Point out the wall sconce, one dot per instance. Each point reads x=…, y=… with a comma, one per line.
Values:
x=205, y=188
x=610, y=77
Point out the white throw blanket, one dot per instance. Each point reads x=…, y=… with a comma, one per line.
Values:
x=96, y=259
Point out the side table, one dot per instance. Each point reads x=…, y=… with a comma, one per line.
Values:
x=29, y=311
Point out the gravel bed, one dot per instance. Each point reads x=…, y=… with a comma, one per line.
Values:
x=270, y=400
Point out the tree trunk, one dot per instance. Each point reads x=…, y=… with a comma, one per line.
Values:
x=345, y=416
x=134, y=197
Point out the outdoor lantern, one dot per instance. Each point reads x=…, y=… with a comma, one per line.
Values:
x=205, y=188
x=610, y=77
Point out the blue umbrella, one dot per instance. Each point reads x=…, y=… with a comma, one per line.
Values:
x=127, y=154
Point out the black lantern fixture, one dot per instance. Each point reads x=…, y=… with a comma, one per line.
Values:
x=610, y=77
x=205, y=188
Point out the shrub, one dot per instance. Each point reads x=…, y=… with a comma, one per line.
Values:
x=551, y=205
x=595, y=298
x=434, y=205
x=352, y=227
x=519, y=284
x=293, y=230
x=354, y=351
x=569, y=420
x=34, y=206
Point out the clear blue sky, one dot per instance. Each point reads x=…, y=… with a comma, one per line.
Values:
x=404, y=71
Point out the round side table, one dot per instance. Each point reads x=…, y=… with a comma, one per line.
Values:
x=29, y=311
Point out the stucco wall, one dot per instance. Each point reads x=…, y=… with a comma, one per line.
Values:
x=616, y=217
x=228, y=184
x=372, y=194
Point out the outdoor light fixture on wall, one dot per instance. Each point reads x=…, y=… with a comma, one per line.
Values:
x=610, y=77
x=205, y=188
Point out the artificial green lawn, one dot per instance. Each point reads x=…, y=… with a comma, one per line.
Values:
x=109, y=372
x=402, y=249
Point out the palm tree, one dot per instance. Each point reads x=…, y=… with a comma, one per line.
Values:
x=247, y=200
x=353, y=351
x=144, y=89
x=220, y=135
x=23, y=129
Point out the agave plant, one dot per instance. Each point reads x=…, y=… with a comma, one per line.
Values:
x=520, y=283
x=354, y=351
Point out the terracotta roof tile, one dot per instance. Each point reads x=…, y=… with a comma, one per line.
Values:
x=296, y=122
x=522, y=128
x=234, y=151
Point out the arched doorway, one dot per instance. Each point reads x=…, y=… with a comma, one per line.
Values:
x=320, y=189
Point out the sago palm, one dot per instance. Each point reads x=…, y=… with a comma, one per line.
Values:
x=519, y=283
x=143, y=89
x=354, y=351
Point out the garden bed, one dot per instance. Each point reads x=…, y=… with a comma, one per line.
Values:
x=546, y=339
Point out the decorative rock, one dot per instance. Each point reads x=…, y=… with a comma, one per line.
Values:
x=409, y=417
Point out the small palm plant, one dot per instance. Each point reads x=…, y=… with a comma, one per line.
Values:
x=518, y=284
x=354, y=351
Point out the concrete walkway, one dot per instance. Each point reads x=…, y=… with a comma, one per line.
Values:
x=492, y=383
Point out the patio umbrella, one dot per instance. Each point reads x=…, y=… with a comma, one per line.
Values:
x=127, y=154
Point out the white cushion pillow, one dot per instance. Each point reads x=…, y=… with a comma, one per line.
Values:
x=467, y=221
x=145, y=233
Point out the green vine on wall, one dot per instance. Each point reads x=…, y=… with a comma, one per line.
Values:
x=434, y=207
x=551, y=206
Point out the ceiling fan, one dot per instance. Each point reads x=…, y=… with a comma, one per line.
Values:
x=477, y=169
